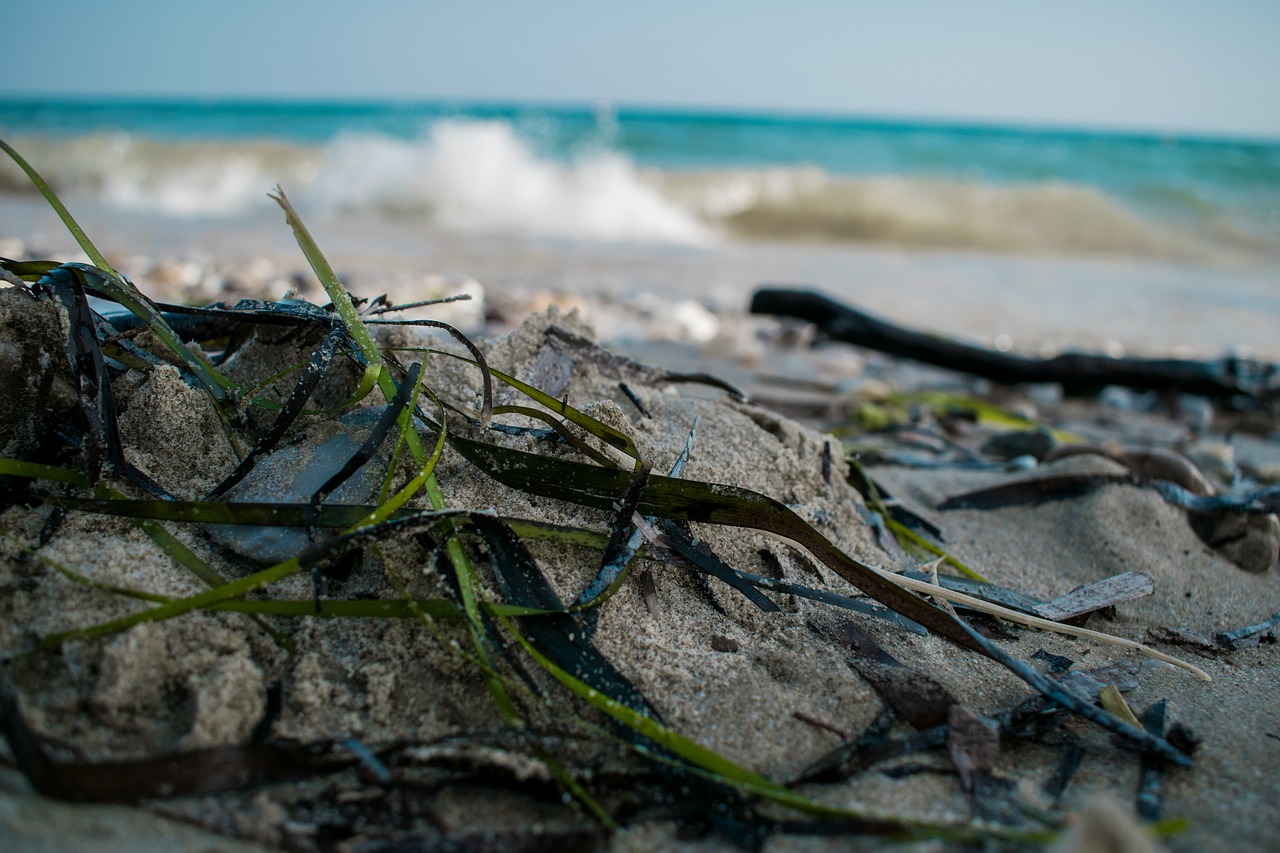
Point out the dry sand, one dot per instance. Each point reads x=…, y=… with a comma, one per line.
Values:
x=719, y=670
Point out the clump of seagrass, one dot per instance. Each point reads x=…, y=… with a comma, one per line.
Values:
x=515, y=632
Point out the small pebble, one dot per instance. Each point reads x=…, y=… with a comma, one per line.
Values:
x=1035, y=443
x=1215, y=459
x=723, y=644
x=1025, y=462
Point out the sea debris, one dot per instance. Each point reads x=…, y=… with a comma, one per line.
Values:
x=1096, y=596
x=913, y=694
x=1230, y=377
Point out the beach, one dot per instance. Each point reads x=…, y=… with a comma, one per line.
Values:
x=745, y=682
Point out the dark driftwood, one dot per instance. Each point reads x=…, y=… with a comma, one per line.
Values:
x=1078, y=373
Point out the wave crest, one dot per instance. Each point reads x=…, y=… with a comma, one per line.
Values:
x=480, y=176
x=922, y=212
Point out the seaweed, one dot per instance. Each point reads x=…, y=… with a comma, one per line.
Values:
x=1151, y=781
x=914, y=695
x=1068, y=764
x=522, y=639
x=849, y=759
x=973, y=745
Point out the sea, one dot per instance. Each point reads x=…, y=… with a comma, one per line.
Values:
x=1033, y=233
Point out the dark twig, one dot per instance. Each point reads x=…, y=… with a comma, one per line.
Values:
x=1241, y=637
x=1149, y=802
x=843, y=734
x=1078, y=373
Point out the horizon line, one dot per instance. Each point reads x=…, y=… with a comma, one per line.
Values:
x=655, y=108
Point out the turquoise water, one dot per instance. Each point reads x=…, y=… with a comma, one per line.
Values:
x=595, y=172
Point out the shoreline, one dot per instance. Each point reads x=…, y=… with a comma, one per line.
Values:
x=1038, y=303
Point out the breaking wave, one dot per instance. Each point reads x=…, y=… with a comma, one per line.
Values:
x=481, y=176
x=1048, y=217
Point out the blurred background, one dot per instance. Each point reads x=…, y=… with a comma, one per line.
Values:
x=1093, y=173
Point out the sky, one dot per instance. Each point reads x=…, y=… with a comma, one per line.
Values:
x=1178, y=66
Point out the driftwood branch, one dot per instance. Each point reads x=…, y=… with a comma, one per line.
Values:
x=1078, y=373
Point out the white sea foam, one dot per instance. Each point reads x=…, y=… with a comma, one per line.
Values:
x=225, y=184
x=479, y=176
x=473, y=176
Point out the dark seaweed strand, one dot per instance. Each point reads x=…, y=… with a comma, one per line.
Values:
x=994, y=593
x=1237, y=638
x=432, y=534
x=708, y=380
x=914, y=694
x=111, y=423
x=1044, y=489
x=284, y=312
x=121, y=344
x=382, y=306
x=1072, y=756
x=557, y=635
x=635, y=400
x=293, y=406
x=1257, y=502
x=881, y=499
x=402, y=400
x=486, y=408
x=834, y=599
x=561, y=429
x=618, y=551
x=206, y=771
x=84, y=357
x=1149, y=803
x=707, y=561
x=96, y=400
x=738, y=507
x=28, y=752
x=1071, y=701
x=124, y=467
x=561, y=638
